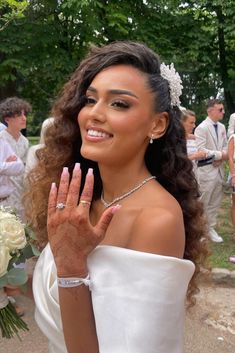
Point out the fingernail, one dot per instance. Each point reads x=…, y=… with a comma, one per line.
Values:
x=65, y=170
x=53, y=186
x=90, y=171
x=77, y=166
x=116, y=208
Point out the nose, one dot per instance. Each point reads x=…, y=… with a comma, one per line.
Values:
x=97, y=112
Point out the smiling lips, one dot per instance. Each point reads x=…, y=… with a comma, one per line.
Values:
x=97, y=135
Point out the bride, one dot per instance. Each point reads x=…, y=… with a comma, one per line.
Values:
x=124, y=222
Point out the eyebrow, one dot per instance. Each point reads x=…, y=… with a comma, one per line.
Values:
x=114, y=91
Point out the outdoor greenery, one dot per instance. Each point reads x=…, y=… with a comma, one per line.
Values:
x=220, y=252
x=42, y=41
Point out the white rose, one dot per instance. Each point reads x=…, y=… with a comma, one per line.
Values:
x=4, y=259
x=12, y=233
x=4, y=214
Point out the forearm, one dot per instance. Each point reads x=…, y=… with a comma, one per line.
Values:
x=11, y=168
x=231, y=165
x=78, y=320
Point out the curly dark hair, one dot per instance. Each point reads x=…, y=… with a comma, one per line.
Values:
x=166, y=157
x=13, y=106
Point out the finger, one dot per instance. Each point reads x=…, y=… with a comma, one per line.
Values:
x=87, y=192
x=52, y=199
x=74, y=187
x=63, y=187
x=106, y=219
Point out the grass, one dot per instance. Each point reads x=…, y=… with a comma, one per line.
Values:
x=220, y=252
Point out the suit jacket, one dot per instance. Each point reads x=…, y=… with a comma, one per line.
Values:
x=207, y=141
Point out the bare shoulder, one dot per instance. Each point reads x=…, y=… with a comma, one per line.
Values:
x=159, y=230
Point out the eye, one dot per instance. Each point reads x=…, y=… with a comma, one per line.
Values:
x=90, y=101
x=120, y=104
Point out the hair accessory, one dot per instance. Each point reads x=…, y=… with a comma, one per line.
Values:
x=69, y=282
x=108, y=204
x=60, y=205
x=151, y=139
x=175, y=83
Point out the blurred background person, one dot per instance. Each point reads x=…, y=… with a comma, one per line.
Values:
x=10, y=165
x=188, y=119
x=13, y=112
x=231, y=177
x=211, y=138
x=32, y=158
x=231, y=125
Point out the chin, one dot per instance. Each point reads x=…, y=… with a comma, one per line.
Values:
x=90, y=153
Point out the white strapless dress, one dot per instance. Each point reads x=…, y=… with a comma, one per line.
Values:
x=138, y=300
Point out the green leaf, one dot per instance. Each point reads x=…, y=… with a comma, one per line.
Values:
x=17, y=277
x=35, y=250
x=3, y=281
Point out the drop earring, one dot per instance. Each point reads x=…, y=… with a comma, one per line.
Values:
x=151, y=139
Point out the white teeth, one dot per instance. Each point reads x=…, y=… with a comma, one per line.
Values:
x=96, y=133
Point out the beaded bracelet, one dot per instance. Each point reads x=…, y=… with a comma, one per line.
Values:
x=69, y=282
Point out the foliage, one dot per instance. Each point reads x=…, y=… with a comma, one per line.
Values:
x=220, y=252
x=44, y=42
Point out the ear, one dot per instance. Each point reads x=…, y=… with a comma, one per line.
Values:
x=159, y=125
x=6, y=120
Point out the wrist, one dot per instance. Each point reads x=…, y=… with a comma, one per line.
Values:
x=78, y=270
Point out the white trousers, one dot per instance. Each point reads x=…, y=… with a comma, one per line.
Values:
x=211, y=196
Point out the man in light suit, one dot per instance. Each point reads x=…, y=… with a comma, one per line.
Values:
x=211, y=138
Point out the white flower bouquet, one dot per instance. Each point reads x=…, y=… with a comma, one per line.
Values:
x=16, y=246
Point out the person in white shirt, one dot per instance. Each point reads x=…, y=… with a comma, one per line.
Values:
x=211, y=138
x=231, y=125
x=10, y=165
x=13, y=112
x=188, y=119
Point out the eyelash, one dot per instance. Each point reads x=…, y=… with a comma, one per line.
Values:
x=116, y=103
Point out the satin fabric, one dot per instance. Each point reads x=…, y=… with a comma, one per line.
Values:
x=138, y=300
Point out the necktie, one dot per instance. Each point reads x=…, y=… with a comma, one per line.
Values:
x=216, y=130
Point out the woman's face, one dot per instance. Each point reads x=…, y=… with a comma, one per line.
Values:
x=189, y=124
x=117, y=117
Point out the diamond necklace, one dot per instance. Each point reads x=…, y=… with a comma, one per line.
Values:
x=108, y=204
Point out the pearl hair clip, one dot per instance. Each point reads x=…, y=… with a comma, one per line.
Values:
x=175, y=83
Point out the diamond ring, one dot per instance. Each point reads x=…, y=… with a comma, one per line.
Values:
x=60, y=205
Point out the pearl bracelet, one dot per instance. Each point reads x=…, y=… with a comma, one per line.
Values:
x=69, y=282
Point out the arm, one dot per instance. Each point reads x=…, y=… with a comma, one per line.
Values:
x=197, y=155
x=12, y=164
x=231, y=125
x=230, y=159
x=72, y=238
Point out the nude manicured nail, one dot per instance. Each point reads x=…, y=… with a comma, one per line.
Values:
x=65, y=170
x=53, y=185
x=77, y=166
x=90, y=171
x=116, y=208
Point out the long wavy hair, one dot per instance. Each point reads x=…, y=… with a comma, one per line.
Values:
x=166, y=157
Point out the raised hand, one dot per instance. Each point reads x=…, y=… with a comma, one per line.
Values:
x=11, y=158
x=70, y=233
